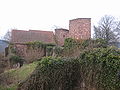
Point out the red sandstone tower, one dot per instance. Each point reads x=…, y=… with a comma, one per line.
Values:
x=80, y=28
x=60, y=35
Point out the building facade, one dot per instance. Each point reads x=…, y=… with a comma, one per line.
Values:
x=79, y=28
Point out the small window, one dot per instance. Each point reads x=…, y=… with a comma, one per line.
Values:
x=63, y=35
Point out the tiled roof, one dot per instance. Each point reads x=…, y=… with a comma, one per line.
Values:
x=21, y=36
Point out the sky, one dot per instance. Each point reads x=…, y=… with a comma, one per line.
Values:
x=47, y=14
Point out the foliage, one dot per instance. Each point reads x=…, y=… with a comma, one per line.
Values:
x=82, y=44
x=35, y=44
x=53, y=74
x=49, y=50
x=96, y=68
x=100, y=43
x=38, y=44
x=13, y=50
x=14, y=87
x=3, y=63
x=100, y=67
x=14, y=59
x=58, y=50
x=50, y=44
x=10, y=79
x=73, y=47
x=69, y=43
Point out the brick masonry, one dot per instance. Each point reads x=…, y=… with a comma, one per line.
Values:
x=60, y=35
x=28, y=53
x=79, y=28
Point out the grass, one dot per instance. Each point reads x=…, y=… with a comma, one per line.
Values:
x=14, y=76
x=12, y=87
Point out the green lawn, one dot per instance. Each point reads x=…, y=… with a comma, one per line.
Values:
x=14, y=76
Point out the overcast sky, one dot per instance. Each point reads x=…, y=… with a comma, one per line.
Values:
x=45, y=14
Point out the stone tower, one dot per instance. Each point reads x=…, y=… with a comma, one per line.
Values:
x=60, y=35
x=80, y=28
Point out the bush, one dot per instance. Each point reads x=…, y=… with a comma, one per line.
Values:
x=16, y=59
x=58, y=50
x=53, y=74
x=35, y=44
x=97, y=68
x=100, y=68
x=3, y=63
x=49, y=50
x=69, y=43
x=73, y=47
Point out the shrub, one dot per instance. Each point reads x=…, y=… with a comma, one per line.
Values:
x=49, y=50
x=100, y=68
x=35, y=44
x=58, y=50
x=69, y=43
x=38, y=44
x=97, y=68
x=53, y=74
x=16, y=59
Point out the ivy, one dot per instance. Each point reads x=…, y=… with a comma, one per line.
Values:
x=97, y=68
x=35, y=44
x=53, y=74
x=101, y=67
x=12, y=49
x=69, y=43
x=14, y=59
x=58, y=50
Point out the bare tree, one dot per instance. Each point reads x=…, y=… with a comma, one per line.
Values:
x=7, y=36
x=117, y=30
x=107, y=29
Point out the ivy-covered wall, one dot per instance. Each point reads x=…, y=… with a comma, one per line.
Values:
x=31, y=51
x=95, y=69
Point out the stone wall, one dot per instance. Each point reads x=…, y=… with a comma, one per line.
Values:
x=80, y=28
x=29, y=54
x=60, y=35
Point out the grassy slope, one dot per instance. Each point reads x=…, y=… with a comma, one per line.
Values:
x=14, y=76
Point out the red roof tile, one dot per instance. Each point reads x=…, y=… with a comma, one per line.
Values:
x=22, y=36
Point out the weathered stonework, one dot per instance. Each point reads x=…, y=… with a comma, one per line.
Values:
x=29, y=54
x=60, y=35
x=80, y=28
